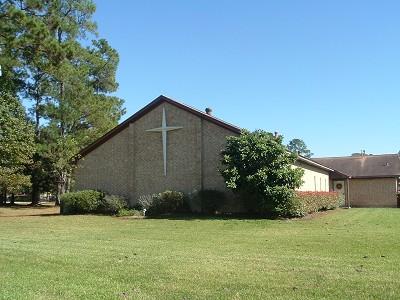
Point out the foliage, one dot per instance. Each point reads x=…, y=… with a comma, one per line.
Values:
x=12, y=182
x=145, y=201
x=90, y=201
x=258, y=167
x=16, y=144
x=81, y=202
x=310, y=202
x=299, y=146
x=47, y=60
x=129, y=213
x=166, y=202
x=112, y=204
x=210, y=200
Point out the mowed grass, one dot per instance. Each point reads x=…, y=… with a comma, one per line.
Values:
x=344, y=254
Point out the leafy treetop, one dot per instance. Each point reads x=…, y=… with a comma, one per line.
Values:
x=299, y=146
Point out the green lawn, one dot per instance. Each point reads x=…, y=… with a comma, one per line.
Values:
x=345, y=254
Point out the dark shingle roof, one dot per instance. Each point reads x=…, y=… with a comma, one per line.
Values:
x=386, y=165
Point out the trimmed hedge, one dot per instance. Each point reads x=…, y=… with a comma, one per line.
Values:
x=80, y=202
x=89, y=201
x=309, y=202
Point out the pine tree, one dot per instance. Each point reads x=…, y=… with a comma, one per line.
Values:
x=298, y=146
x=68, y=84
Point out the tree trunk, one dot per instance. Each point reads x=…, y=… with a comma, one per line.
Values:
x=12, y=200
x=35, y=197
x=37, y=117
x=68, y=184
x=3, y=197
x=61, y=187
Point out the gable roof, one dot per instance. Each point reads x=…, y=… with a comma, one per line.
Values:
x=366, y=166
x=156, y=102
x=163, y=99
x=335, y=174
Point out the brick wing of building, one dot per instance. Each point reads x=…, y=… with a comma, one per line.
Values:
x=371, y=181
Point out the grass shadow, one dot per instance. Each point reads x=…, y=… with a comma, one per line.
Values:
x=31, y=215
x=27, y=206
x=222, y=217
x=24, y=209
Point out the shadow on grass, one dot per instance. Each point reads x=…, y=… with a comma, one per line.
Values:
x=31, y=215
x=24, y=209
x=27, y=205
x=196, y=217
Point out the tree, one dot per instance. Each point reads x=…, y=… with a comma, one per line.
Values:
x=16, y=145
x=299, y=146
x=258, y=167
x=68, y=84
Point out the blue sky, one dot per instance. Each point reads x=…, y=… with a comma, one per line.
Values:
x=324, y=71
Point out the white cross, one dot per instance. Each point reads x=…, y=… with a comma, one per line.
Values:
x=164, y=129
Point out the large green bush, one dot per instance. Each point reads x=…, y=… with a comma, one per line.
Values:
x=89, y=201
x=166, y=202
x=258, y=167
x=309, y=202
x=210, y=201
x=80, y=202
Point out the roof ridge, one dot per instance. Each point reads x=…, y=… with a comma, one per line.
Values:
x=200, y=112
x=360, y=156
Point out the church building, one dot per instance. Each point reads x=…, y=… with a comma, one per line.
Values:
x=168, y=145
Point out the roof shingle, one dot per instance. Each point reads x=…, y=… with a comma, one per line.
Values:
x=386, y=165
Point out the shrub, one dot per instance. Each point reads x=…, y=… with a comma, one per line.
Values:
x=80, y=202
x=128, y=213
x=166, y=202
x=210, y=200
x=145, y=201
x=89, y=201
x=112, y=204
x=309, y=202
x=258, y=167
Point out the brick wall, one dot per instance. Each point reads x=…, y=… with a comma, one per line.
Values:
x=131, y=163
x=376, y=192
x=106, y=168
